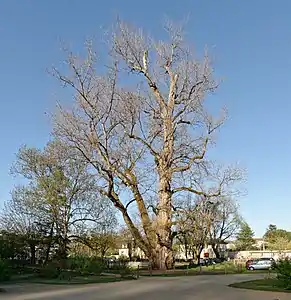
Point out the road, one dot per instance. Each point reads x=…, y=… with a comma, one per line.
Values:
x=211, y=287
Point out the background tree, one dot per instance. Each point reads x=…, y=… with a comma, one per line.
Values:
x=12, y=246
x=147, y=140
x=60, y=195
x=273, y=233
x=226, y=223
x=193, y=226
x=101, y=240
x=245, y=237
x=17, y=219
x=277, y=239
x=280, y=243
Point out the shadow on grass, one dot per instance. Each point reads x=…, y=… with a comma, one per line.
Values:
x=72, y=281
x=81, y=280
x=270, y=284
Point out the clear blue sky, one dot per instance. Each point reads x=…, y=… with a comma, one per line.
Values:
x=251, y=41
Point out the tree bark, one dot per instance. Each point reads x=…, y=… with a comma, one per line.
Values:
x=216, y=251
x=49, y=244
x=198, y=254
x=186, y=247
x=32, y=253
x=164, y=250
x=129, y=246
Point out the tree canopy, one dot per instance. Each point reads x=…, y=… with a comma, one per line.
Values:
x=147, y=140
x=245, y=237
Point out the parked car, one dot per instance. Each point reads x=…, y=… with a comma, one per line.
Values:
x=267, y=258
x=261, y=264
x=249, y=262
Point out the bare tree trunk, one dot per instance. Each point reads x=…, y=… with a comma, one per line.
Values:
x=216, y=251
x=198, y=253
x=49, y=244
x=129, y=246
x=165, y=258
x=32, y=253
x=194, y=255
x=186, y=247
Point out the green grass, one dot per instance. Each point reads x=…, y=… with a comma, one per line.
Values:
x=270, y=284
x=80, y=280
x=65, y=281
x=218, y=269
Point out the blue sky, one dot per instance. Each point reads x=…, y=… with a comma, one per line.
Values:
x=251, y=43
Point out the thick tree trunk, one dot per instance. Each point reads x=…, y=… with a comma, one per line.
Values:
x=164, y=252
x=163, y=258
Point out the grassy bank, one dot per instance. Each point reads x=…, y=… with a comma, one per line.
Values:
x=65, y=281
x=270, y=284
x=218, y=269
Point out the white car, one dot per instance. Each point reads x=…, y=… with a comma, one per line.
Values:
x=262, y=264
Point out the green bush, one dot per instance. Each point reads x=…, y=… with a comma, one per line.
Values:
x=50, y=271
x=86, y=265
x=283, y=269
x=96, y=267
x=4, y=271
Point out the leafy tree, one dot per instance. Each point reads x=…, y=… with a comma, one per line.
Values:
x=100, y=240
x=280, y=243
x=275, y=236
x=60, y=198
x=146, y=142
x=245, y=237
x=101, y=243
x=11, y=246
x=17, y=219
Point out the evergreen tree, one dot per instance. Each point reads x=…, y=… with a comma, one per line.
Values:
x=245, y=237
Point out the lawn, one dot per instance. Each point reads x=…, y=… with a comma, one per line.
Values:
x=218, y=269
x=64, y=281
x=80, y=280
x=270, y=284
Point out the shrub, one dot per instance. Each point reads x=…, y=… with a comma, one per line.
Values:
x=4, y=271
x=96, y=267
x=50, y=271
x=86, y=265
x=283, y=269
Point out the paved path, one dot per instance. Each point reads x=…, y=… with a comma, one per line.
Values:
x=182, y=288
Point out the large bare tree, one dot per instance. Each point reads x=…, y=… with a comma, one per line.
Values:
x=144, y=127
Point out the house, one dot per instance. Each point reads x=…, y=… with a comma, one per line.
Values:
x=130, y=251
x=179, y=252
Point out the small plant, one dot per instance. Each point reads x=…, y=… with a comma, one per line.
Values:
x=283, y=269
